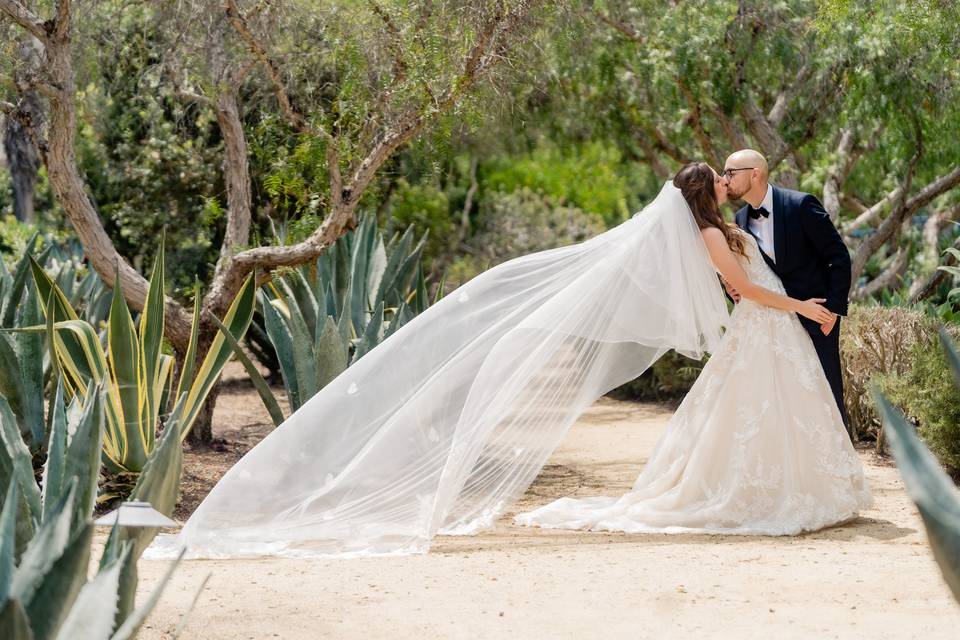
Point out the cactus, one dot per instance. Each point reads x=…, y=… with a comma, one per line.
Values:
x=935, y=495
x=21, y=355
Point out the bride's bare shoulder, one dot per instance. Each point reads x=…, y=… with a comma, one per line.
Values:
x=712, y=234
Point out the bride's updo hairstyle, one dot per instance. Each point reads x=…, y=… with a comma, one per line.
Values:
x=695, y=181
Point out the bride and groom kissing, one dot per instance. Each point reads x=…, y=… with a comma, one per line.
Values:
x=759, y=444
x=801, y=245
x=446, y=423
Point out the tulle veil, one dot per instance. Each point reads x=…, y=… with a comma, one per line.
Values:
x=445, y=423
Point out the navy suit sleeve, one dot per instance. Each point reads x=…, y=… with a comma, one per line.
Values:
x=829, y=246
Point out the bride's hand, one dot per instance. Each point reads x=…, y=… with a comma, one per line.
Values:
x=814, y=310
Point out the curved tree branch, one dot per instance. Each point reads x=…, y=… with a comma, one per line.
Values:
x=838, y=172
x=889, y=277
x=489, y=47
x=907, y=207
x=25, y=18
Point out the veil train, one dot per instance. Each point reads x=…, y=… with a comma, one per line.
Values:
x=445, y=423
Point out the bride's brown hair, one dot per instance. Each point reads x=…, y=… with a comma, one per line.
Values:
x=695, y=181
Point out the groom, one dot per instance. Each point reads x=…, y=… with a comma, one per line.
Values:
x=801, y=245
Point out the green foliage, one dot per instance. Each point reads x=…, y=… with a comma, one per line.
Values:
x=927, y=395
x=517, y=223
x=152, y=161
x=588, y=177
x=425, y=207
x=953, y=271
x=934, y=493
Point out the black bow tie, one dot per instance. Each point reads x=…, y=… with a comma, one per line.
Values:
x=756, y=213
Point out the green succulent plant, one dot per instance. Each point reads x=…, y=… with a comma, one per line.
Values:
x=46, y=531
x=138, y=375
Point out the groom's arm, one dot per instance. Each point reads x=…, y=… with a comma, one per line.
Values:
x=828, y=244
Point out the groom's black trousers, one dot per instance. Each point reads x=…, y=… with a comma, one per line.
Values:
x=828, y=349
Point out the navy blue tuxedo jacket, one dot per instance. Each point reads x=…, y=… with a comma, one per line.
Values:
x=812, y=260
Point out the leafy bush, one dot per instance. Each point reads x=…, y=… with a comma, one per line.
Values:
x=896, y=348
x=876, y=341
x=927, y=395
x=588, y=177
x=426, y=208
x=518, y=223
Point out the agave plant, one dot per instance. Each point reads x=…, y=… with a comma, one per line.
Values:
x=81, y=285
x=324, y=316
x=46, y=532
x=136, y=373
x=935, y=495
x=23, y=365
x=21, y=354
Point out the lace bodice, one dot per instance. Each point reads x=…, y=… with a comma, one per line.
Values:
x=756, y=267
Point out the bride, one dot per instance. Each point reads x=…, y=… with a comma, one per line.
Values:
x=444, y=424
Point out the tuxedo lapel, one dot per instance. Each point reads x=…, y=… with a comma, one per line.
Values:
x=779, y=225
x=741, y=218
x=766, y=258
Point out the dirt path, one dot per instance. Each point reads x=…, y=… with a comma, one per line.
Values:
x=873, y=578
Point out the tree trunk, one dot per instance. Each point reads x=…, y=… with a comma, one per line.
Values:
x=202, y=431
x=70, y=189
x=23, y=156
x=23, y=160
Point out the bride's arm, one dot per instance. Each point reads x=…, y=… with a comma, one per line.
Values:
x=728, y=266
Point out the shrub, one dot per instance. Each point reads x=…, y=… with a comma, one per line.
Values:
x=926, y=394
x=876, y=341
x=589, y=176
x=896, y=347
x=522, y=222
x=425, y=207
x=515, y=224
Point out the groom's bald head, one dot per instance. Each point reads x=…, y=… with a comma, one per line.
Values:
x=746, y=172
x=747, y=158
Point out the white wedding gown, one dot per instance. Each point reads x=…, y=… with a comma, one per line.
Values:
x=445, y=423
x=757, y=446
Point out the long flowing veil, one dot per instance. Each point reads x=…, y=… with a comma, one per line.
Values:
x=444, y=424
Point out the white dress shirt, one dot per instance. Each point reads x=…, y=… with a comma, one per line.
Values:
x=763, y=227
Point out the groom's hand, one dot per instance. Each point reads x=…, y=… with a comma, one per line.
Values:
x=734, y=294
x=827, y=327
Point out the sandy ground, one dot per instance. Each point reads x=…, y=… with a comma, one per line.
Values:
x=871, y=578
